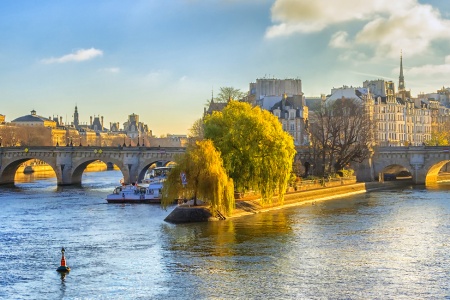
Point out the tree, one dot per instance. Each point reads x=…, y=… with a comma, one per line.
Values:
x=342, y=132
x=256, y=152
x=228, y=93
x=196, y=131
x=441, y=136
x=206, y=178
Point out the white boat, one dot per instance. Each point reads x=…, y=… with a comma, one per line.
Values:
x=158, y=174
x=149, y=191
x=137, y=193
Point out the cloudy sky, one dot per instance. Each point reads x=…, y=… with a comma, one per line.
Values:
x=162, y=59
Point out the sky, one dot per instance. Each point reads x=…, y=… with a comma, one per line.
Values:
x=163, y=60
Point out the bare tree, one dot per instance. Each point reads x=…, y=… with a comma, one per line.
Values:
x=33, y=136
x=226, y=94
x=196, y=132
x=342, y=132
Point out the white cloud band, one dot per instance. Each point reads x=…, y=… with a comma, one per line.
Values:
x=79, y=55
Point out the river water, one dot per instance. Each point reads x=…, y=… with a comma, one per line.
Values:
x=382, y=245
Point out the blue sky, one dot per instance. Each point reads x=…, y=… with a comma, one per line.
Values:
x=162, y=59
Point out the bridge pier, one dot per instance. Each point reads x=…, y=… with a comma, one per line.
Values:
x=418, y=175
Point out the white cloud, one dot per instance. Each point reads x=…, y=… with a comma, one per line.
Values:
x=430, y=70
x=79, y=55
x=413, y=30
x=157, y=77
x=340, y=40
x=385, y=25
x=113, y=70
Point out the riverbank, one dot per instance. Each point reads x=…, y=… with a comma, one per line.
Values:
x=247, y=206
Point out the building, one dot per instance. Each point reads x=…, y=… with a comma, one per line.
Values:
x=2, y=119
x=34, y=120
x=133, y=128
x=267, y=92
x=442, y=95
x=214, y=106
x=293, y=115
x=400, y=122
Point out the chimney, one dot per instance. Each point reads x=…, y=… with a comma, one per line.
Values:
x=91, y=120
x=102, y=123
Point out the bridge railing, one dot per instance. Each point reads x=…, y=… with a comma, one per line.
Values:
x=87, y=148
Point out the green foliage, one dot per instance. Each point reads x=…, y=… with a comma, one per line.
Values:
x=206, y=179
x=346, y=172
x=439, y=138
x=256, y=152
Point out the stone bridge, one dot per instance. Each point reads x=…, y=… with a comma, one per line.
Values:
x=424, y=162
x=70, y=162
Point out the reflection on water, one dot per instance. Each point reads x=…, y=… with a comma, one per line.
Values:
x=385, y=245
x=35, y=176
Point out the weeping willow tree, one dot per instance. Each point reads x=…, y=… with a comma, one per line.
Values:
x=256, y=151
x=205, y=179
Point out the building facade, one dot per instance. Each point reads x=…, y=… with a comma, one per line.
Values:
x=293, y=116
x=266, y=92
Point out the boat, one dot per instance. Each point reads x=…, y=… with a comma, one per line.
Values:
x=136, y=193
x=158, y=174
x=148, y=191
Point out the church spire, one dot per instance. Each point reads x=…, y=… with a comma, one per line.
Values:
x=401, y=79
x=76, y=121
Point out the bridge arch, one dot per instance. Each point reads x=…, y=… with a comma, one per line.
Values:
x=431, y=176
x=145, y=164
x=396, y=171
x=424, y=162
x=9, y=170
x=80, y=166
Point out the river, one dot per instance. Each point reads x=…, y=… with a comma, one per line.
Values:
x=381, y=245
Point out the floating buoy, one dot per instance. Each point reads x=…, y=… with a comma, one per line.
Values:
x=63, y=268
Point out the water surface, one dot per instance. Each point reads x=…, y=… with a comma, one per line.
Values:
x=383, y=245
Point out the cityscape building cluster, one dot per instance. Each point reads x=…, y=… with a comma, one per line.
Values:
x=401, y=120
x=76, y=133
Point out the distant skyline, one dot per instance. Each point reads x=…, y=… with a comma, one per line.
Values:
x=162, y=59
